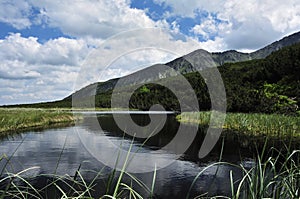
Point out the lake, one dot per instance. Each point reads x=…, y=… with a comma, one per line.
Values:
x=64, y=150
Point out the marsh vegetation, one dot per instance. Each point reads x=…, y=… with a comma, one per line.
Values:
x=251, y=124
x=17, y=119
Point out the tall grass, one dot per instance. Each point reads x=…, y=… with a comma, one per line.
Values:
x=275, y=175
x=271, y=177
x=66, y=186
x=21, y=118
x=251, y=123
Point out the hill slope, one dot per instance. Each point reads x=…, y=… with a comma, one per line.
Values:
x=267, y=85
x=183, y=65
x=270, y=85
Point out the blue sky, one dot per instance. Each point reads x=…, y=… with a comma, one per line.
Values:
x=45, y=44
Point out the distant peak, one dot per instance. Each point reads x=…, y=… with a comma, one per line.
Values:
x=197, y=52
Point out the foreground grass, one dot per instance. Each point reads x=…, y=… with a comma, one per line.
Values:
x=250, y=124
x=16, y=185
x=16, y=119
x=273, y=175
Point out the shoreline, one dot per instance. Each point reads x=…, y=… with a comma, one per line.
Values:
x=250, y=124
x=21, y=119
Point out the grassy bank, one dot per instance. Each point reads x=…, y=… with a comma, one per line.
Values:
x=250, y=124
x=16, y=119
x=271, y=176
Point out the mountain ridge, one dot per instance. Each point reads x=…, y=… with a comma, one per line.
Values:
x=180, y=64
x=183, y=66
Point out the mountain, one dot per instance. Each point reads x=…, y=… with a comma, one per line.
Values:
x=275, y=46
x=269, y=85
x=232, y=56
x=239, y=71
x=183, y=65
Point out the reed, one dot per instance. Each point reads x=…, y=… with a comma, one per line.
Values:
x=275, y=174
x=74, y=187
x=254, y=124
x=16, y=119
x=271, y=177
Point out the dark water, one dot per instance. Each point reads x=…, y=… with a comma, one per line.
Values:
x=63, y=150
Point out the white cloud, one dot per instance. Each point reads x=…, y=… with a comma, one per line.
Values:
x=15, y=47
x=249, y=24
x=53, y=52
x=16, y=13
x=257, y=23
x=210, y=27
x=189, y=8
x=46, y=71
x=134, y=50
x=14, y=70
x=36, y=72
x=283, y=15
x=102, y=19
x=90, y=18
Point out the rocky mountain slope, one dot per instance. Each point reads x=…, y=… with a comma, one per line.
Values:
x=183, y=65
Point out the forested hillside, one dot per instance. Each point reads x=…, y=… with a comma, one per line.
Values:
x=269, y=85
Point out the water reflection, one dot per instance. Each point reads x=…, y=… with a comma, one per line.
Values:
x=62, y=149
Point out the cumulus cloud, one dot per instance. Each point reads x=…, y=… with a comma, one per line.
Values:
x=283, y=15
x=256, y=23
x=53, y=52
x=242, y=24
x=90, y=18
x=16, y=13
x=38, y=71
x=15, y=70
x=46, y=71
x=137, y=49
x=189, y=8
x=210, y=27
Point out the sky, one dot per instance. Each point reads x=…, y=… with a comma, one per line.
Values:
x=45, y=45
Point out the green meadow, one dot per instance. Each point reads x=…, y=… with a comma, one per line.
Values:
x=19, y=119
x=254, y=124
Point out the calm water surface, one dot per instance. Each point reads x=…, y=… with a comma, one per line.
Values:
x=61, y=151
